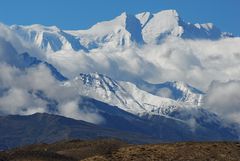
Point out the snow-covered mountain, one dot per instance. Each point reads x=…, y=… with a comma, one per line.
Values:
x=138, y=46
x=175, y=90
x=156, y=27
x=50, y=39
x=123, y=31
x=185, y=111
x=130, y=98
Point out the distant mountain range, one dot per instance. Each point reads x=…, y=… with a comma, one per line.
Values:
x=100, y=76
x=124, y=30
x=45, y=128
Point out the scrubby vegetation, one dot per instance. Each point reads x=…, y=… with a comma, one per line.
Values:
x=115, y=150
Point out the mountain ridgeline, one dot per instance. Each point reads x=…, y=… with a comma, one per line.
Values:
x=124, y=30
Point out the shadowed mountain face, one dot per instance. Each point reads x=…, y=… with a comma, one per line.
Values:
x=45, y=128
x=176, y=128
x=39, y=128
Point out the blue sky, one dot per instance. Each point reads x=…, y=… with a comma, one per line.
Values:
x=81, y=14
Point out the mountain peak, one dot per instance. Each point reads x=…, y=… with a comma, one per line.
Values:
x=144, y=17
x=94, y=75
x=159, y=25
x=97, y=80
x=123, y=31
x=123, y=15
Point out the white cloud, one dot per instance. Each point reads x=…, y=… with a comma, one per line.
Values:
x=16, y=42
x=71, y=109
x=165, y=92
x=224, y=99
x=196, y=62
x=18, y=94
x=19, y=101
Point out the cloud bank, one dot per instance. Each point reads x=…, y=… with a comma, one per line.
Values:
x=224, y=99
x=36, y=90
x=197, y=62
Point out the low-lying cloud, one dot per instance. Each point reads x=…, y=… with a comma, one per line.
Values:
x=197, y=62
x=71, y=109
x=31, y=90
x=224, y=99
